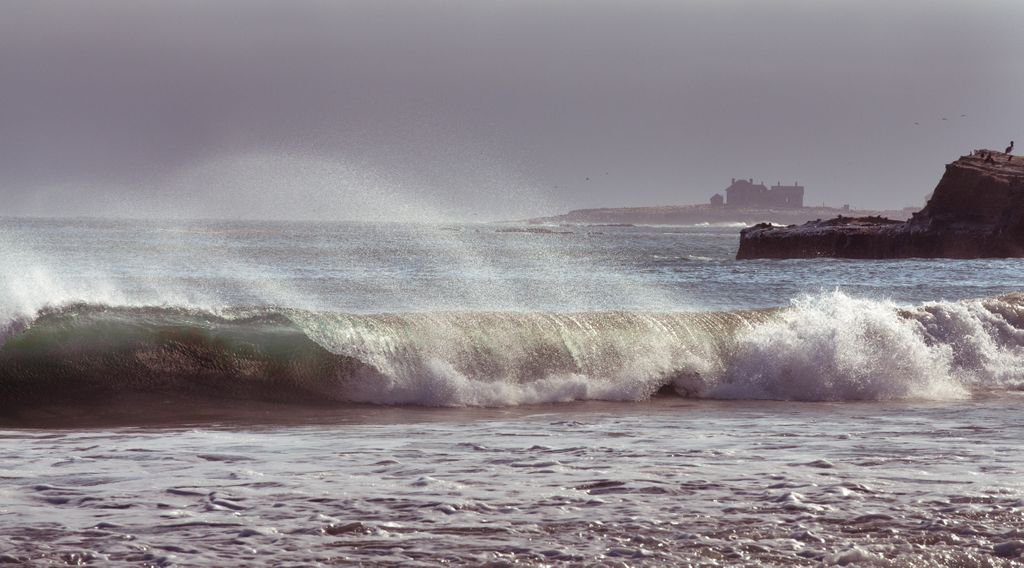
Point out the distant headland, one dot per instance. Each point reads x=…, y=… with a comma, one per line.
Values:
x=976, y=211
x=743, y=202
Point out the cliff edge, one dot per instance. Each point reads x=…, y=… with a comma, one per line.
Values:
x=976, y=211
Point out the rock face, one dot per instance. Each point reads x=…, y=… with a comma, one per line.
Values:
x=976, y=211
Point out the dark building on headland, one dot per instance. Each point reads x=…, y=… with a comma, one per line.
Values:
x=745, y=194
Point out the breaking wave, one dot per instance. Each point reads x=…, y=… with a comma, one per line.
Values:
x=827, y=347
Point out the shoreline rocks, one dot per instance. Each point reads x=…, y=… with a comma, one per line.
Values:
x=976, y=211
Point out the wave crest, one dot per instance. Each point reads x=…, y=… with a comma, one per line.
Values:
x=833, y=347
x=824, y=347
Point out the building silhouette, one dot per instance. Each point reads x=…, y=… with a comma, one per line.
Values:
x=744, y=193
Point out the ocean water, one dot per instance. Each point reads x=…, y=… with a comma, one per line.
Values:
x=298, y=394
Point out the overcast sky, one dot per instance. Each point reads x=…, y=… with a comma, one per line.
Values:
x=483, y=109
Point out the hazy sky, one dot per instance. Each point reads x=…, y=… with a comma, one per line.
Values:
x=491, y=109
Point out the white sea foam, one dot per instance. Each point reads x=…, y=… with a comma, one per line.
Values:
x=440, y=384
x=834, y=347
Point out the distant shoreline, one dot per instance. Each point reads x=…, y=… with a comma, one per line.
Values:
x=695, y=214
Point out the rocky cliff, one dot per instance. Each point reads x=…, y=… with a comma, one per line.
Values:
x=976, y=211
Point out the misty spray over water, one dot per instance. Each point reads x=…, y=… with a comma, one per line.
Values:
x=445, y=347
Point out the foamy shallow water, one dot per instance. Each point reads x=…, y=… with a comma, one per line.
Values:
x=668, y=482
